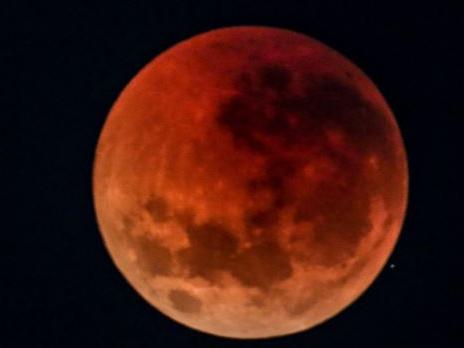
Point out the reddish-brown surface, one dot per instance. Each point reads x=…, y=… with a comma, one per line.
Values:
x=250, y=182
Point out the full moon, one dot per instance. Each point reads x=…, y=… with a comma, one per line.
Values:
x=250, y=182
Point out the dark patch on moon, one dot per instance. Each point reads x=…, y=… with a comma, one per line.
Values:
x=387, y=224
x=330, y=101
x=266, y=218
x=299, y=118
x=214, y=248
x=211, y=249
x=235, y=116
x=275, y=77
x=154, y=258
x=259, y=119
x=184, y=302
x=302, y=306
x=157, y=207
x=262, y=265
x=272, y=182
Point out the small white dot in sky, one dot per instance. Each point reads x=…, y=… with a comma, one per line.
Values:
x=392, y=265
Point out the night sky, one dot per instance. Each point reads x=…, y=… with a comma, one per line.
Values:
x=65, y=66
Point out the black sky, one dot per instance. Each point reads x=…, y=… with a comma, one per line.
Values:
x=65, y=65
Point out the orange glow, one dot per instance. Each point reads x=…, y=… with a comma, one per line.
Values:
x=250, y=182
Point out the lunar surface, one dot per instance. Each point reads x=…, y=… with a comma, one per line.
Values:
x=250, y=182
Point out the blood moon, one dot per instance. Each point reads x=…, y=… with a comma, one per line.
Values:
x=250, y=182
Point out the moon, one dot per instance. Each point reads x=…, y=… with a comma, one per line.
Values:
x=250, y=182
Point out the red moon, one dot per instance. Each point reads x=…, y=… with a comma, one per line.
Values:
x=250, y=182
